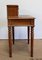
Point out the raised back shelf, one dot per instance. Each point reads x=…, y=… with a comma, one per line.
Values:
x=12, y=10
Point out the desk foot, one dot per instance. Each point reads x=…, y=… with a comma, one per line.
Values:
x=10, y=53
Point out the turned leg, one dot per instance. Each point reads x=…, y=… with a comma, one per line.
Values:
x=32, y=38
x=28, y=33
x=13, y=33
x=10, y=41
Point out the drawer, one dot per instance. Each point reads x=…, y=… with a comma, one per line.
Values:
x=20, y=22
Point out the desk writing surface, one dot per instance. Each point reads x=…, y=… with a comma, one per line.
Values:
x=21, y=17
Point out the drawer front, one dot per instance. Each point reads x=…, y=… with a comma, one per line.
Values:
x=20, y=22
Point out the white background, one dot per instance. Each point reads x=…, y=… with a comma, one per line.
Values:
x=28, y=7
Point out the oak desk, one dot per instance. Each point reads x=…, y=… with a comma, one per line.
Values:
x=21, y=20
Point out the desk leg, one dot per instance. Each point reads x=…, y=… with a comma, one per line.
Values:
x=32, y=36
x=13, y=33
x=28, y=33
x=10, y=41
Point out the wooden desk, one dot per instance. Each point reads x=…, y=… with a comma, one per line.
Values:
x=23, y=20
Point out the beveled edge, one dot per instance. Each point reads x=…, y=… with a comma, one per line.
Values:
x=12, y=5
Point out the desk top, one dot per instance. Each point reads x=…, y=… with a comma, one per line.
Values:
x=21, y=20
x=21, y=17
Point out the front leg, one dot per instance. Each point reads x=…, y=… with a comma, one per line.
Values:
x=32, y=38
x=10, y=41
